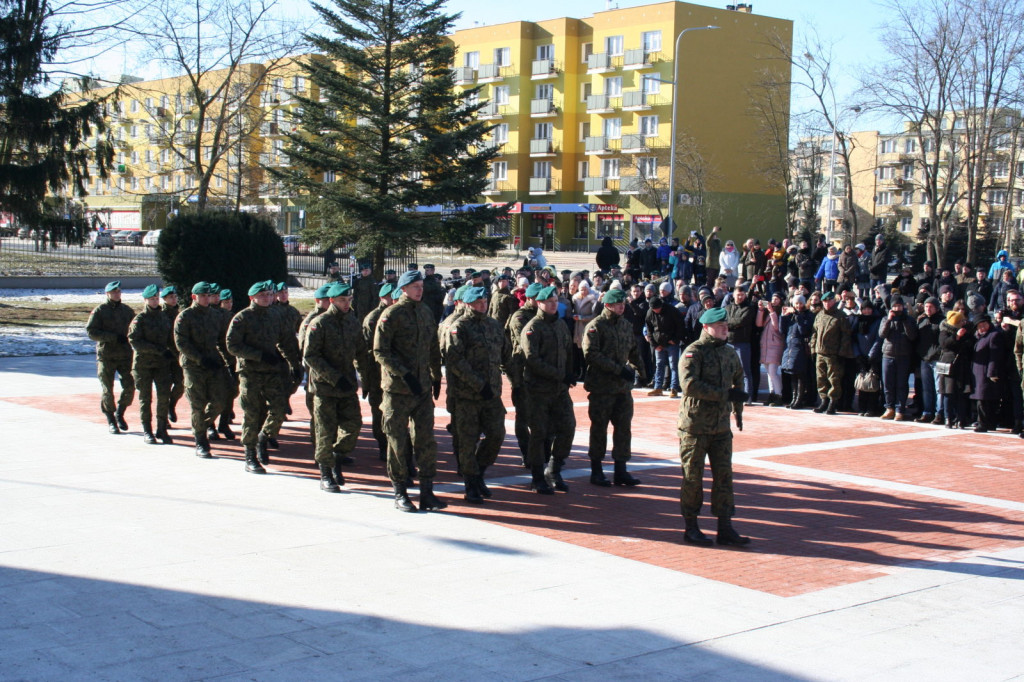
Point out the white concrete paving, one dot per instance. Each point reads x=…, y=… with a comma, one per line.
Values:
x=121, y=561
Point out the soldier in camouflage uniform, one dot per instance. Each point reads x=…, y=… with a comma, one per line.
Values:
x=433, y=292
x=405, y=345
x=263, y=340
x=830, y=342
x=364, y=291
x=547, y=348
x=293, y=319
x=442, y=341
x=503, y=303
x=170, y=308
x=222, y=301
x=477, y=350
x=613, y=362
x=197, y=334
x=711, y=378
x=372, y=381
x=516, y=367
x=321, y=303
x=150, y=336
x=334, y=349
x=108, y=327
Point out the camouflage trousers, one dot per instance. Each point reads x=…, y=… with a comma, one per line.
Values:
x=177, y=382
x=829, y=371
x=263, y=391
x=311, y=408
x=207, y=391
x=229, y=408
x=472, y=419
x=718, y=448
x=145, y=378
x=406, y=416
x=338, y=422
x=105, y=370
x=551, y=417
x=521, y=401
x=617, y=409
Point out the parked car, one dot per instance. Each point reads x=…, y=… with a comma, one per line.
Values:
x=101, y=240
x=127, y=237
x=151, y=238
x=291, y=243
x=23, y=232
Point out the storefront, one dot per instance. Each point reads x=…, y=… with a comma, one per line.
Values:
x=644, y=226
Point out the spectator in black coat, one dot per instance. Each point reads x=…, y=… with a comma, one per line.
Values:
x=988, y=367
x=607, y=255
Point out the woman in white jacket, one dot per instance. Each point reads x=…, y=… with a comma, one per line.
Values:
x=729, y=263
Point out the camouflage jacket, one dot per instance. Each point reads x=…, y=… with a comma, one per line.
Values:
x=107, y=322
x=150, y=334
x=371, y=380
x=477, y=353
x=304, y=327
x=291, y=314
x=831, y=334
x=514, y=332
x=406, y=343
x=364, y=296
x=445, y=327
x=708, y=368
x=197, y=335
x=257, y=330
x=172, y=314
x=333, y=345
x=609, y=346
x=547, y=349
x=502, y=305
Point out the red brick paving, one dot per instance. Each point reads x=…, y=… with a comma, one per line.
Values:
x=808, y=533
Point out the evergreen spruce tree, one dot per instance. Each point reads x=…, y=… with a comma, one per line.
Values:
x=391, y=128
x=42, y=128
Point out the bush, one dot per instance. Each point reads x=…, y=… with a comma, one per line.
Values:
x=232, y=249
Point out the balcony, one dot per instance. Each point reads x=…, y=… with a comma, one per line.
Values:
x=638, y=100
x=540, y=108
x=601, y=145
x=542, y=147
x=492, y=73
x=279, y=159
x=602, y=104
x=891, y=183
x=542, y=186
x=464, y=75
x=638, y=143
x=270, y=129
x=631, y=184
x=491, y=111
x=602, y=62
x=497, y=187
x=639, y=59
x=600, y=185
x=541, y=69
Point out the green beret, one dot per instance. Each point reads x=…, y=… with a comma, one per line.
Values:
x=214, y=288
x=387, y=289
x=473, y=294
x=112, y=286
x=829, y=296
x=225, y=294
x=281, y=286
x=546, y=293
x=460, y=292
x=167, y=291
x=260, y=287
x=150, y=291
x=322, y=292
x=615, y=296
x=713, y=315
x=339, y=289
x=201, y=288
x=534, y=289
x=390, y=272
x=408, y=278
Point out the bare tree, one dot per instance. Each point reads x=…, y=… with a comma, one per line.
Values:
x=695, y=174
x=807, y=179
x=769, y=107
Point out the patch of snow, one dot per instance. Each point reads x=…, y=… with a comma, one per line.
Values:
x=19, y=341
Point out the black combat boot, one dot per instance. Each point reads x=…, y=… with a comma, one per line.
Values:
x=597, y=476
x=481, y=485
x=344, y=459
x=823, y=406
x=429, y=501
x=473, y=495
x=553, y=476
x=272, y=442
x=727, y=535
x=225, y=428
x=252, y=462
x=261, y=449
x=171, y=414
x=382, y=449
x=539, y=483
x=402, y=501
x=203, y=448
x=623, y=477
x=211, y=433
x=161, y=432
x=147, y=433
x=121, y=423
x=831, y=407
x=327, y=483
x=693, y=534
x=339, y=477
x=111, y=423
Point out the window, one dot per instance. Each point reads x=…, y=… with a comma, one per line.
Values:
x=887, y=146
x=149, y=155
x=884, y=199
x=651, y=41
x=908, y=171
x=538, y=221
x=1018, y=196
x=1020, y=169
x=613, y=87
x=502, y=56
x=924, y=198
x=299, y=83
x=546, y=52
x=651, y=85
x=613, y=128
x=910, y=145
x=165, y=155
x=649, y=126
x=586, y=49
x=611, y=225
x=614, y=46
x=928, y=146
x=647, y=166
x=500, y=133
x=581, y=226
x=609, y=168
x=542, y=169
x=585, y=91
x=149, y=103
x=886, y=172
x=499, y=170
x=1018, y=224
x=905, y=224
x=134, y=182
x=134, y=106
x=997, y=197
x=165, y=101
x=584, y=131
x=135, y=157
x=999, y=169
x=471, y=59
x=501, y=94
x=584, y=170
x=543, y=131
x=134, y=131
x=330, y=176
x=908, y=199
x=544, y=91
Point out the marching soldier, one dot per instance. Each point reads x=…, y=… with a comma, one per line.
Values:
x=477, y=350
x=197, y=334
x=150, y=336
x=517, y=365
x=442, y=340
x=613, y=362
x=170, y=308
x=321, y=303
x=223, y=300
x=711, y=377
x=334, y=349
x=549, y=374
x=503, y=303
x=263, y=341
x=108, y=327
x=293, y=320
x=372, y=387
x=405, y=345
x=364, y=291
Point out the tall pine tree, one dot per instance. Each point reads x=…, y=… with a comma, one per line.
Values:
x=43, y=129
x=391, y=128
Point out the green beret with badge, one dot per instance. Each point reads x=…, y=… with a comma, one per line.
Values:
x=387, y=289
x=322, y=292
x=829, y=296
x=112, y=286
x=150, y=291
x=260, y=287
x=534, y=289
x=615, y=296
x=339, y=289
x=167, y=291
x=200, y=288
x=473, y=294
x=713, y=315
x=225, y=294
x=546, y=293
x=214, y=288
x=281, y=286
x=409, y=277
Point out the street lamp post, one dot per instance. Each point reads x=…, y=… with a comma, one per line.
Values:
x=675, y=115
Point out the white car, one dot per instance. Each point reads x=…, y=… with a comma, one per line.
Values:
x=102, y=240
x=151, y=238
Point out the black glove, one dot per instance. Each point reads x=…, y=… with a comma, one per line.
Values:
x=737, y=395
x=168, y=354
x=272, y=359
x=437, y=389
x=121, y=338
x=516, y=393
x=210, y=362
x=343, y=384
x=627, y=374
x=413, y=383
x=366, y=393
x=486, y=392
x=569, y=380
x=739, y=421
